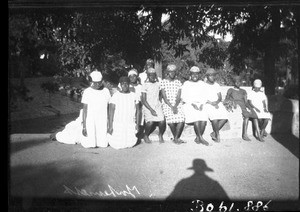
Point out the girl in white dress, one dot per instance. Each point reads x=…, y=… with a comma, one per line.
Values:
x=193, y=95
x=90, y=128
x=95, y=102
x=152, y=108
x=217, y=112
x=123, y=117
x=258, y=100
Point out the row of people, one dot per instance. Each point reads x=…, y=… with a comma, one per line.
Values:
x=138, y=107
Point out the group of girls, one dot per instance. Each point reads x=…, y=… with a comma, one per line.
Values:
x=146, y=101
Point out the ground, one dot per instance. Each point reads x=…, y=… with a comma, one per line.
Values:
x=48, y=174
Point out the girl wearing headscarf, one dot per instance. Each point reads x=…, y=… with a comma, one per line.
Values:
x=217, y=112
x=123, y=119
x=95, y=101
x=152, y=108
x=239, y=97
x=89, y=129
x=258, y=100
x=172, y=105
x=193, y=95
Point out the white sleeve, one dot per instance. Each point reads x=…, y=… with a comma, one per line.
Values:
x=85, y=96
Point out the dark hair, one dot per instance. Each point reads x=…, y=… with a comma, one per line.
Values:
x=124, y=79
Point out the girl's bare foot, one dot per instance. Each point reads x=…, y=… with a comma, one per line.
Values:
x=204, y=142
x=147, y=140
x=246, y=138
x=213, y=136
x=161, y=139
x=178, y=141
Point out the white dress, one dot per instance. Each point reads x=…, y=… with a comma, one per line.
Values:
x=152, y=97
x=214, y=113
x=96, y=120
x=193, y=93
x=72, y=133
x=123, y=135
x=257, y=99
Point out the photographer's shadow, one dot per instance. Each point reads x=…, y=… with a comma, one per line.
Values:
x=198, y=186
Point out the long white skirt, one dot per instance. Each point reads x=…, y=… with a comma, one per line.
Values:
x=192, y=115
x=123, y=136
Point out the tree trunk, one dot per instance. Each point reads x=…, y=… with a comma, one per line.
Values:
x=270, y=53
x=156, y=39
x=269, y=81
x=298, y=43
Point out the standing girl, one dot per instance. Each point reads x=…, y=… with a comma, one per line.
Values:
x=172, y=106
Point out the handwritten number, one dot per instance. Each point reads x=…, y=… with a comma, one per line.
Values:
x=256, y=207
x=209, y=207
x=197, y=204
x=249, y=204
x=222, y=208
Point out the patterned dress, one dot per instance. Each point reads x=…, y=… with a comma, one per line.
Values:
x=171, y=89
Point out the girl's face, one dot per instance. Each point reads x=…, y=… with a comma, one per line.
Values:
x=172, y=74
x=256, y=89
x=152, y=77
x=124, y=87
x=211, y=78
x=194, y=76
x=133, y=78
x=237, y=83
x=96, y=85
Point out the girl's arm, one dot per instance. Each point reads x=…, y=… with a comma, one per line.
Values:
x=137, y=115
x=251, y=105
x=146, y=104
x=164, y=96
x=228, y=94
x=178, y=98
x=111, y=113
x=215, y=103
x=265, y=104
x=84, y=114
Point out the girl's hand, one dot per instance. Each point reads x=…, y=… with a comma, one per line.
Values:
x=257, y=109
x=110, y=130
x=201, y=107
x=195, y=106
x=153, y=112
x=175, y=110
x=84, y=132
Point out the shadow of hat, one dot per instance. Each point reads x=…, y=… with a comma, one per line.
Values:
x=199, y=164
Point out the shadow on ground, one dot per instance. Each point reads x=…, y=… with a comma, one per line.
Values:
x=19, y=146
x=282, y=125
x=199, y=185
x=48, y=124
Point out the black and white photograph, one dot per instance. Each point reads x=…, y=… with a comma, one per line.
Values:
x=139, y=105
